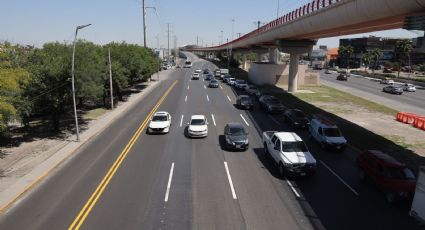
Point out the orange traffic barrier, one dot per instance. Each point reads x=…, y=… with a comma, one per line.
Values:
x=408, y=118
x=419, y=123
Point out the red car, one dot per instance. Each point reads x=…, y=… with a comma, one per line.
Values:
x=392, y=177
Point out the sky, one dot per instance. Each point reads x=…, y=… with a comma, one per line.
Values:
x=35, y=22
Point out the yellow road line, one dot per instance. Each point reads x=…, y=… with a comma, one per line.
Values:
x=85, y=211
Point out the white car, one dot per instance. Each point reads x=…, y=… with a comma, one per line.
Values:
x=328, y=71
x=198, y=126
x=387, y=81
x=195, y=76
x=409, y=87
x=198, y=71
x=327, y=133
x=160, y=123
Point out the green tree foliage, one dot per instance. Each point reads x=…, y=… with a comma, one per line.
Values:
x=13, y=80
x=345, y=52
x=376, y=55
x=367, y=59
x=402, y=49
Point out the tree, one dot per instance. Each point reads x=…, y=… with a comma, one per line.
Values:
x=376, y=55
x=367, y=59
x=345, y=52
x=402, y=49
x=13, y=81
x=50, y=87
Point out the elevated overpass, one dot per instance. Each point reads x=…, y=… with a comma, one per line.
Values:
x=297, y=31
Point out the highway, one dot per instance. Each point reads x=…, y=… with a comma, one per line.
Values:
x=126, y=179
x=413, y=102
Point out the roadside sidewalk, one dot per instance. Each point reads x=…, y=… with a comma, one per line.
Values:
x=24, y=173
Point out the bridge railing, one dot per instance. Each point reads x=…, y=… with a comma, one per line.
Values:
x=311, y=7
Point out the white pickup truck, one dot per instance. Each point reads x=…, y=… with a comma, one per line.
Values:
x=289, y=152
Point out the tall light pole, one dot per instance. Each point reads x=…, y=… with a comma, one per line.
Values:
x=144, y=21
x=73, y=81
x=221, y=37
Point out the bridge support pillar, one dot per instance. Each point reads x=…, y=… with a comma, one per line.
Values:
x=244, y=59
x=274, y=55
x=295, y=49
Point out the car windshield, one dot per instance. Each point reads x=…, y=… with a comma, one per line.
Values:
x=273, y=101
x=253, y=87
x=237, y=131
x=213, y=81
x=159, y=118
x=294, y=146
x=241, y=82
x=400, y=174
x=332, y=132
x=197, y=122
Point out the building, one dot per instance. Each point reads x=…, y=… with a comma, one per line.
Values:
x=386, y=45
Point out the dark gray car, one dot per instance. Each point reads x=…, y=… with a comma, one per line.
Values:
x=392, y=89
x=236, y=137
x=213, y=84
x=271, y=104
x=244, y=102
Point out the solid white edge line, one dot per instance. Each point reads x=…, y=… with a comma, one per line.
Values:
x=208, y=99
x=170, y=178
x=185, y=99
x=212, y=115
x=221, y=87
x=273, y=119
x=228, y=97
x=339, y=178
x=293, y=189
x=187, y=87
x=181, y=121
x=244, y=120
x=230, y=181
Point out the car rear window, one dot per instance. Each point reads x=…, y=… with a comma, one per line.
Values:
x=197, y=122
x=294, y=146
x=332, y=132
x=159, y=118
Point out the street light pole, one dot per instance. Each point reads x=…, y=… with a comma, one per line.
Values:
x=73, y=81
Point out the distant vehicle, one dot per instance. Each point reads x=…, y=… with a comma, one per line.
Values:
x=244, y=102
x=236, y=137
x=318, y=65
x=392, y=177
x=409, y=87
x=231, y=81
x=418, y=208
x=198, y=126
x=328, y=71
x=259, y=94
x=195, y=76
x=223, y=72
x=213, y=84
x=217, y=73
x=378, y=67
x=393, y=90
x=188, y=64
x=226, y=78
x=198, y=71
x=271, y=104
x=296, y=118
x=159, y=123
x=241, y=84
x=342, y=77
x=209, y=77
x=386, y=81
x=206, y=71
x=251, y=90
x=327, y=134
x=178, y=67
x=387, y=70
x=289, y=152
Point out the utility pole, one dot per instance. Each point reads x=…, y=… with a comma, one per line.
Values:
x=110, y=78
x=168, y=36
x=221, y=38
x=175, y=49
x=144, y=21
x=197, y=39
x=239, y=34
x=159, y=51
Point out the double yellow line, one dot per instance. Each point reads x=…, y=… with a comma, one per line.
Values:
x=85, y=211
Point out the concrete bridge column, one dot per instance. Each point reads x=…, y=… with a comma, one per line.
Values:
x=274, y=55
x=244, y=61
x=295, y=49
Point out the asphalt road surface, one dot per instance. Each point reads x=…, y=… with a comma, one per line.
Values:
x=372, y=90
x=126, y=179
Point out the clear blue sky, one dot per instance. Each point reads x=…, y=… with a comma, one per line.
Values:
x=39, y=21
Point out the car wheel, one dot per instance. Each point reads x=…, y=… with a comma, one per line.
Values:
x=362, y=175
x=390, y=197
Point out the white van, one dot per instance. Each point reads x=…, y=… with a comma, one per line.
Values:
x=327, y=134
